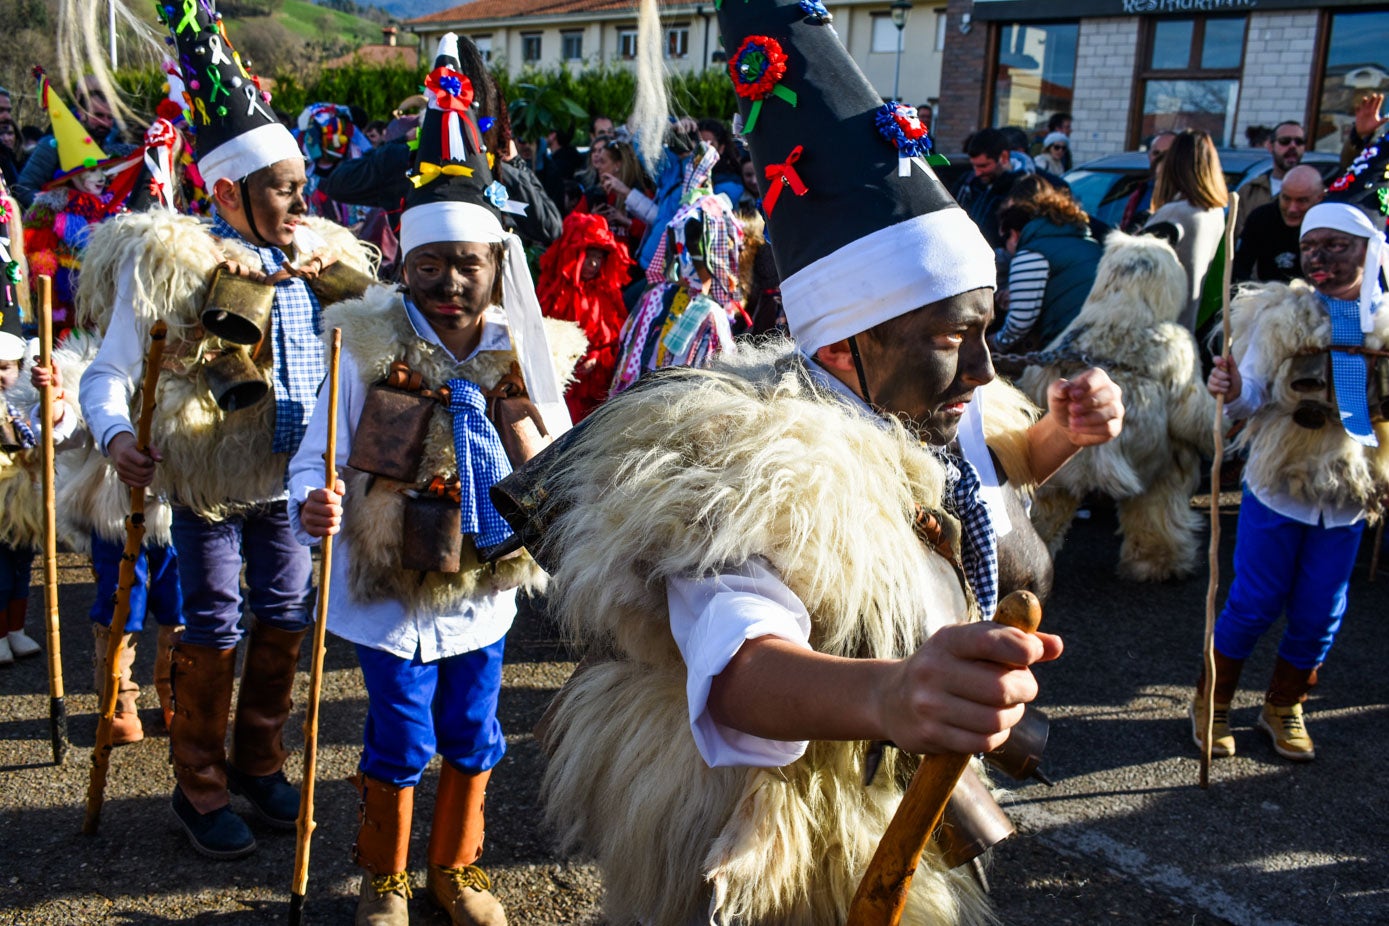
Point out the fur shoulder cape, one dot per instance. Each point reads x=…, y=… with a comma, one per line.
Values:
x=215, y=462
x=689, y=472
x=1322, y=464
x=376, y=332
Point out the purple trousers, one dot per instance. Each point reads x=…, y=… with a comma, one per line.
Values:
x=279, y=571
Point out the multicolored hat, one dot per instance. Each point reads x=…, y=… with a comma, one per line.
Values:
x=77, y=150
x=236, y=131
x=861, y=228
x=326, y=132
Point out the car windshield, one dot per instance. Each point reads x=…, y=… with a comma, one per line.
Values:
x=1103, y=194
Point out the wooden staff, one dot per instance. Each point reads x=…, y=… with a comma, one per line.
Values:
x=306, y=824
x=1207, y=715
x=882, y=894
x=57, y=707
x=134, y=541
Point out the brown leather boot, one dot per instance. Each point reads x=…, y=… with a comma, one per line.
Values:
x=163, y=667
x=202, y=690
x=1227, y=672
x=455, y=842
x=262, y=707
x=125, y=724
x=383, y=849
x=1282, y=717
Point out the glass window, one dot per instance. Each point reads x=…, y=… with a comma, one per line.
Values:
x=678, y=41
x=1192, y=77
x=884, y=34
x=484, y=46
x=1035, y=73
x=530, y=47
x=941, y=31
x=1357, y=64
x=1172, y=44
x=571, y=46
x=627, y=43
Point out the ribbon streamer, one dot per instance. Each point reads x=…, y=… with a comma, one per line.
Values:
x=214, y=45
x=784, y=174
x=190, y=17
x=253, y=102
x=779, y=91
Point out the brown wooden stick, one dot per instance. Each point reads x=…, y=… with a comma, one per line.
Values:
x=57, y=706
x=1207, y=715
x=1374, y=553
x=882, y=893
x=306, y=824
x=134, y=541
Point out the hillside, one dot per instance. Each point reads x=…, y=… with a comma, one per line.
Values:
x=314, y=22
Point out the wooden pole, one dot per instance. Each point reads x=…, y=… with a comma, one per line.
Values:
x=882, y=894
x=134, y=541
x=306, y=824
x=57, y=706
x=1207, y=715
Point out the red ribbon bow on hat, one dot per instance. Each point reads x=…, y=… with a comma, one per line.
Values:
x=784, y=174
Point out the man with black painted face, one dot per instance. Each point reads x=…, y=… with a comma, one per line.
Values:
x=414, y=587
x=231, y=409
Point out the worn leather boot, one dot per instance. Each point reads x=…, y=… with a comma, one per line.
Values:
x=455, y=842
x=262, y=707
x=202, y=690
x=125, y=724
x=1281, y=717
x=383, y=849
x=163, y=668
x=1227, y=672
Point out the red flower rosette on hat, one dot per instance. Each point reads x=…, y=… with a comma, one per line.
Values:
x=757, y=69
x=451, y=93
x=901, y=126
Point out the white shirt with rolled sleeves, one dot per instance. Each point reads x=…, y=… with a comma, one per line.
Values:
x=711, y=617
x=109, y=383
x=1253, y=394
x=386, y=625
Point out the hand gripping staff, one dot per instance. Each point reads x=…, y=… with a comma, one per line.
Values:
x=1206, y=717
x=882, y=894
x=306, y=822
x=134, y=540
x=57, y=708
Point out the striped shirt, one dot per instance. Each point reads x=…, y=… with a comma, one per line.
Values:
x=1027, y=283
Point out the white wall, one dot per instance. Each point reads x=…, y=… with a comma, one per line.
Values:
x=1278, y=55
x=1104, y=86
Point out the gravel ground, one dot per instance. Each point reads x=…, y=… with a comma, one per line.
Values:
x=1125, y=836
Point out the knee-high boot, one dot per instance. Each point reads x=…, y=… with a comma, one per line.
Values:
x=455, y=843
x=262, y=707
x=163, y=669
x=202, y=690
x=125, y=725
x=383, y=849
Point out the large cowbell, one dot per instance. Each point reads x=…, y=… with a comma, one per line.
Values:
x=237, y=309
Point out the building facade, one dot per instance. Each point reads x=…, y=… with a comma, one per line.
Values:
x=1126, y=69
x=541, y=34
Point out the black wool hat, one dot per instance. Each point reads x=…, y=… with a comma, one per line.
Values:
x=862, y=229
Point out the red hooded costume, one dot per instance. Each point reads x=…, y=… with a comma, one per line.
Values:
x=596, y=304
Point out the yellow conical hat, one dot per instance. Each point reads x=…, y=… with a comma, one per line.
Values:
x=77, y=150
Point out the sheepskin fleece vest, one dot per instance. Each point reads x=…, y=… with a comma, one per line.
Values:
x=1314, y=465
x=21, y=499
x=90, y=497
x=689, y=472
x=216, y=463
x=376, y=331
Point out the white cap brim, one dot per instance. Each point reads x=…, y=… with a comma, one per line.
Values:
x=448, y=220
x=247, y=153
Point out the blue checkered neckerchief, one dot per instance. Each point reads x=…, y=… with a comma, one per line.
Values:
x=296, y=324
x=22, y=431
x=482, y=463
x=1348, y=374
x=979, y=545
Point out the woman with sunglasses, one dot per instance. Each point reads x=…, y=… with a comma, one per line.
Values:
x=1055, y=153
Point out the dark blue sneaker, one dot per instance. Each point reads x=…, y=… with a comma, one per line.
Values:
x=220, y=834
x=272, y=797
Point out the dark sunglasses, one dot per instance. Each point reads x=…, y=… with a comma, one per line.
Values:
x=1286, y=140
x=1061, y=147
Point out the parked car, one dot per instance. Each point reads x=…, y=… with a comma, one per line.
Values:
x=1104, y=185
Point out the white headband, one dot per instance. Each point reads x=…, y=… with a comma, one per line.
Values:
x=448, y=220
x=244, y=154
x=1353, y=221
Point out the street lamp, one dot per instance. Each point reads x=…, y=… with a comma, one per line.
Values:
x=899, y=9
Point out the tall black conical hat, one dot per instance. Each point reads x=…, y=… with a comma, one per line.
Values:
x=861, y=227
x=451, y=162
x=236, y=132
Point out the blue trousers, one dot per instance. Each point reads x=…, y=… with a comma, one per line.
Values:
x=210, y=555
x=15, y=565
x=416, y=709
x=156, y=589
x=1285, y=566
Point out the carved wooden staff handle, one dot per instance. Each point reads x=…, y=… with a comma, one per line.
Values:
x=882, y=894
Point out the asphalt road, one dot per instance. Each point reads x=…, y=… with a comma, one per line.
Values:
x=1125, y=836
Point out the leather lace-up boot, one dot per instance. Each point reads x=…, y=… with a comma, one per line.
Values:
x=383, y=849
x=455, y=883
x=1227, y=672
x=1282, y=717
